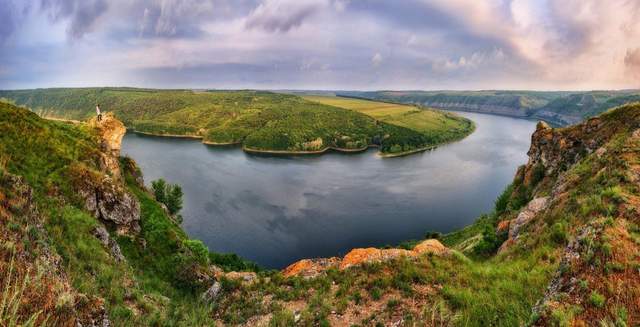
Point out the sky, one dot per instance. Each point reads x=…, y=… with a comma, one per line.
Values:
x=321, y=44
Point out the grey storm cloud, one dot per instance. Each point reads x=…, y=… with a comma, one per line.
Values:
x=282, y=16
x=82, y=13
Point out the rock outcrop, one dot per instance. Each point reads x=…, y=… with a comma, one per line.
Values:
x=103, y=192
x=110, y=131
x=107, y=199
x=534, y=207
x=557, y=149
x=212, y=293
x=102, y=235
x=310, y=268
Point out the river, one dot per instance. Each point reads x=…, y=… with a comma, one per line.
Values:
x=276, y=210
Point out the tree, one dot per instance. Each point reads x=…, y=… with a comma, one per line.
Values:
x=168, y=194
x=160, y=190
x=174, y=198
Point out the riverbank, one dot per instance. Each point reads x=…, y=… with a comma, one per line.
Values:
x=197, y=137
x=295, y=153
x=302, y=153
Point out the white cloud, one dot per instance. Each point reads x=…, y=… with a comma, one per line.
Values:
x=376, y=60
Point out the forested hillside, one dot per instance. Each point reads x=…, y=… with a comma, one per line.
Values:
x=260, y=121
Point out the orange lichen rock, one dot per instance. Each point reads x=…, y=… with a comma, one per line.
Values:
x=313, y=267
x=309, y=268
x=431, y=246
x=503, y=226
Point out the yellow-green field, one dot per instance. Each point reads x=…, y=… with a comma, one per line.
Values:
x=421, y=120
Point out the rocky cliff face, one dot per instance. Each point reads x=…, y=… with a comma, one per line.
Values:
x=583, y=183
x=110, y=131
x=103, y=192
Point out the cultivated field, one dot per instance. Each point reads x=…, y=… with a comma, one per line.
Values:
x=426, y=121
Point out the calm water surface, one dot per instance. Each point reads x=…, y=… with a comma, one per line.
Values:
x=275, y=210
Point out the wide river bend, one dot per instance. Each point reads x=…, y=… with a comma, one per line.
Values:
x=276, y=210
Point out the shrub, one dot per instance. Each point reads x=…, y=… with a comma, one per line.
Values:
x=613, y=193
x=597, y=299
x=490, y=242
x=502, y=202
x=559, y=233
x=199, y=250
x=537, y=174
x=174, y=199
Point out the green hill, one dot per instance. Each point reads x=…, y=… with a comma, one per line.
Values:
x=258, y=120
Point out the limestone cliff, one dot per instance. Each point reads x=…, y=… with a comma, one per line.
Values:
x=110, y=131
x=103, y=191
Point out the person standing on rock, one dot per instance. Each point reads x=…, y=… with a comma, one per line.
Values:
x=98, y=112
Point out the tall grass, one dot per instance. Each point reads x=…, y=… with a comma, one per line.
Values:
x=12, y=298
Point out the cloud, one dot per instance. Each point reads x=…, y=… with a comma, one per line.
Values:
x=82, y=14
x=376, y=60
x=283, y=15
x=8, y=24
x=475, y=61
x=11, y=12
x=632, y=62
x=551, y=44
x=174, y=18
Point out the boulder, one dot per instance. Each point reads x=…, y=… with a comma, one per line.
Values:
x=431, y=246
x=106, y=199
x=360, y=256
x=247, y=277
x=103, y=236
x=503, y=226
x=212, y=293
x=532, y=209
x=309, y=268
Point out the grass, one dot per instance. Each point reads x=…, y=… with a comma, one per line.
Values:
x=420, y=120
x=13, y=299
